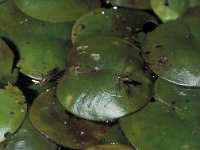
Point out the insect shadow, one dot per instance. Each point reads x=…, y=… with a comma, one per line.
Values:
x=51, y=76
x=125, y=81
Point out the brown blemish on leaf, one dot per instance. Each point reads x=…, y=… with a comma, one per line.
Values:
x=69, y=99
x=163, y=60
x=85, y=133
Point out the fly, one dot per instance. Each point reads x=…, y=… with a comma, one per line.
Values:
x=52, y=75
x=127, y=82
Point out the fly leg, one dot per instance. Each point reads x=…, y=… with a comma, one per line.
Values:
x=118, y=88
x=128, y=90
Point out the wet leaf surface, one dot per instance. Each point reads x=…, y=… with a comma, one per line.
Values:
x=123, y=23
x=12, y=109
x=171, y=122
x=27, y=138
x=138, y=4
x=169, y=9
x=41, y=46
x=172, y=51
x=51, y=119
x=105, y=80
x=56, y=11
x=6, y=56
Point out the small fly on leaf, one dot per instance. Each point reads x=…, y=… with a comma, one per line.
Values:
x=126, y=82
x=51, y=76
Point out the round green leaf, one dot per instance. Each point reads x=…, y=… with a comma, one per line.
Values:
x=27, y=138
x=169, y=9
x=6, y=64
x=56, y=11
x=13, y=110
x=123, y=23
x=110, y=147
x=50, y=118
x=105, y=80
x=172, y=52
x=42, y=46
x=171, y=122
x=138, y=4
x=191, y=19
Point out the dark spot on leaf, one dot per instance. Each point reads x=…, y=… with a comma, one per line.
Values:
x=20, y=103
x=187, y=101
x=147, y=53
x=173, y=103
x=12, y=113
x=165, y=3
x=158, y=46
x=80, y=28
x=196, y=129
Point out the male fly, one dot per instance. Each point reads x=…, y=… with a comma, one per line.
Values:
x=51, y=76
x=127, y=82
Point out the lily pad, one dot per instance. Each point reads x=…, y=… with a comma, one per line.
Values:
x=42, y=46
x=172, y=51
x=13, y=110
x=171, y=122
x=191, y=19
x=7, y=74
x=27, y=138
x=56, y=11
x=110, y=147
x=51, y=119
x=138, y=4
x=169, y=9
x=121, y=22
x=105, y=79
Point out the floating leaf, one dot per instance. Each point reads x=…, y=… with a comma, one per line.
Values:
x=27, y=138
x=191, y=20
x=171, y=122
x=123, y=23
x=13, y=110
x=172, y=51
x=56, y=11
x=105, y=79
x=42, y=46
x=50, y=118
x=169, y=9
